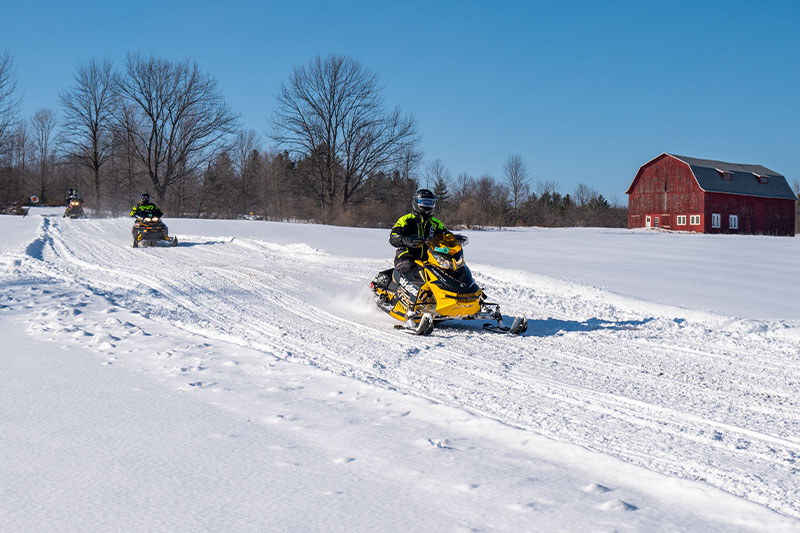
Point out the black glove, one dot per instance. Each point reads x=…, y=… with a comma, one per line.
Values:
x=412, y=241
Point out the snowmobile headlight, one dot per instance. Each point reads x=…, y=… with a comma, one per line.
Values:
x=148, y=219
x=443, y=261
x=74, y=203
x=154, y=219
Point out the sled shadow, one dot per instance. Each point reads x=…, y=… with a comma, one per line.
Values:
x=183, y=244
x=549, y=327
x=553, y=326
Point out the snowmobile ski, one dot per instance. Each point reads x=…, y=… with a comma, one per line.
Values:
x=518, y=327
x=424, y=327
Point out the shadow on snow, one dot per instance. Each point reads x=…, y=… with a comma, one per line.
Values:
x=548, y=327
x=553, y=326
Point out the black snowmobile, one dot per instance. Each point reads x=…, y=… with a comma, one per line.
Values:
x=75, y=209
x=444, y=290
x=149, y=230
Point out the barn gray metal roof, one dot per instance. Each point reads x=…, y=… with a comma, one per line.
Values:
x=743, y=179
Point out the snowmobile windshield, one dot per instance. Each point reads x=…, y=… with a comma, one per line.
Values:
x=148, y=212
x=445, y=250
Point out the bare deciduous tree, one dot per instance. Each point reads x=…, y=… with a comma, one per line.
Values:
x=178, y=117
x=19, y=157
x=331, y=110
x=516, y=174
x=245, y=152
x=583, y=195
x=86, y=129
x=436, y=172
x=410, y=161
x=43, y=123
x=9, y=100
x=546, y=187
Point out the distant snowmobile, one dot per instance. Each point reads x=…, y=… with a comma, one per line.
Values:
x=75, y=209
x=150, y=230
x=445, y=291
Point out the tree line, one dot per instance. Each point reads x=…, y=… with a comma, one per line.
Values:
x=338, y=154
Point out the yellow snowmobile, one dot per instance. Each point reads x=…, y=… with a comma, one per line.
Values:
x=443, y=290
x=149, y=229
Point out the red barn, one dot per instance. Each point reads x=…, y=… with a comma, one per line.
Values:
x=689, y=194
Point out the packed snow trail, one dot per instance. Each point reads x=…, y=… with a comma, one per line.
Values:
x=684, y=393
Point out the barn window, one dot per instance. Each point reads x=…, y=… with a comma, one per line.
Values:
x=694, y=220
x=761, y=179
x=681, y=220
x=716, y=220
x=733, y=221
x=725, y=174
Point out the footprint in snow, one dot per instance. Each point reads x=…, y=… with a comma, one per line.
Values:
x=440, y=444
x=617, y=505
x=596, y=488
x=202, y=384
x=280, y=419
x=518, y=507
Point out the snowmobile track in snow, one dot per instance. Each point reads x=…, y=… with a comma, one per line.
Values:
x=717, y=401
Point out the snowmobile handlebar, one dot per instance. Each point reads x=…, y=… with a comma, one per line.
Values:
x=414, y=241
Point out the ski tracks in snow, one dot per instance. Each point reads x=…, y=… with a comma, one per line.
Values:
x=683, y=393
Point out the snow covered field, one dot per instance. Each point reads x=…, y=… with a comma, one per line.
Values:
x=245, y=381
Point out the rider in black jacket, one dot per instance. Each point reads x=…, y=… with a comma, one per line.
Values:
x=409, y=234
x=146, y=208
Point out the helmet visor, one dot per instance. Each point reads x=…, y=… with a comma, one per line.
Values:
x=426, y=202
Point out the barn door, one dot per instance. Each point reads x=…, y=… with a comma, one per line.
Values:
x=648, y=222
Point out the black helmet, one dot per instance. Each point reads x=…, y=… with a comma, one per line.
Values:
x=423, y=203
x=145, y=198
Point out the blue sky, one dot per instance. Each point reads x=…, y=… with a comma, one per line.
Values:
x=585, y=92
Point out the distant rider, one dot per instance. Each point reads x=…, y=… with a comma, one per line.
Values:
x=409, y=234
x=73, y=195
x=146, y=208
